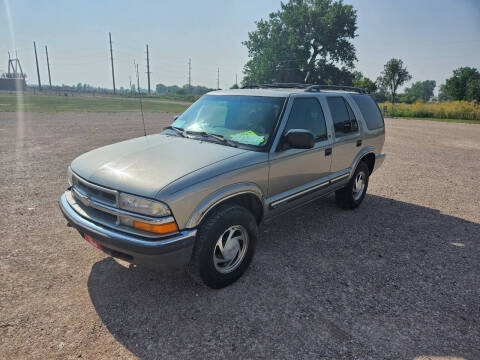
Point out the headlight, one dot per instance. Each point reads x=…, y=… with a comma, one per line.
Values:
x=143, y=206
x=70, y=176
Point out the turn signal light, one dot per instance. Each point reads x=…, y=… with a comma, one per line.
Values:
x=158, y=229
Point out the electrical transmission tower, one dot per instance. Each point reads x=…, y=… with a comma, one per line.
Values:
x=148, y=70
x=111, y=59
x=13, y=67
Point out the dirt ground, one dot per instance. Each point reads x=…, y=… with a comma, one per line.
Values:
x=398, y=278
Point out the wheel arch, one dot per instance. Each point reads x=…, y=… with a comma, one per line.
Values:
x=367, y=154
x=248, y=195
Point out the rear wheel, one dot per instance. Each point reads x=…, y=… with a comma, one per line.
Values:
x=352, y=195
x=224, y=246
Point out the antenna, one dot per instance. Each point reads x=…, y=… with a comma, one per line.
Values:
x=140, y=93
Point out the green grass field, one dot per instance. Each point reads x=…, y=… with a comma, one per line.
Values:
x=56, y=103
x=447, y=111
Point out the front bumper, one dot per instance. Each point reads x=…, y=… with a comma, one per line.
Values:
x=170, y=252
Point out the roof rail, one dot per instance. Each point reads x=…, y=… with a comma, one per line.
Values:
x=278, y=85
x=286, y=85
x=307, y=87
x=316, y=88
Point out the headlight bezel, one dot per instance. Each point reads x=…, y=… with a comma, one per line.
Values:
x=143, y=206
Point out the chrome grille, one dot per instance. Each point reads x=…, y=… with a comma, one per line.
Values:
x=95, y=192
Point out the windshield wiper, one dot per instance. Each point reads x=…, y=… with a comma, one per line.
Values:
x=178, y=130
x=214, y=136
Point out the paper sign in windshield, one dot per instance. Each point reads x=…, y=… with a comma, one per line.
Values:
x=248, y=137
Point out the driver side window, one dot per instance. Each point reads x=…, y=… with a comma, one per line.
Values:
x=307, y=114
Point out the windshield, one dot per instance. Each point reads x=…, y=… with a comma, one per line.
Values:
x=248, y=120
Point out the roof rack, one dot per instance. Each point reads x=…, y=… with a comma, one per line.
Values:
x=278, y=86
x=286, y=85
x=316, y=88
x=307, y=87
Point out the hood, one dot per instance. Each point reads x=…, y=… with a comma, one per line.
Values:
x=143, y=166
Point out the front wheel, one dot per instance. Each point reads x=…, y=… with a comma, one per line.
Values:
x=224, y=246
x=352, y=195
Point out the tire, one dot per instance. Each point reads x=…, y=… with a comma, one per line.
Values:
x=224, y=246
x=351, y=196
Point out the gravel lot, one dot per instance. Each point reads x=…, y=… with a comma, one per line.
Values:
x=398, y=278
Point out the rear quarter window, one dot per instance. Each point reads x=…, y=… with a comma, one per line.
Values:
x=370, y=111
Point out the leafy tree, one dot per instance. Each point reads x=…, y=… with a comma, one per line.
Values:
x=185, y=89
x=464, y=84
x=442, y=94
x=305, y=42
x=363, y=82
x=419, y=90
x=234, y=86
x=394, y=74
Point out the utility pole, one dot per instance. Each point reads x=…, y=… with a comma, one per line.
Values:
x=148, y=70
x=111, y=58
x=130, y=78
x=38, y=71
x=190, y=74
x=236, y=79
x=218, y=78
x=138, y=79
x=48, y=67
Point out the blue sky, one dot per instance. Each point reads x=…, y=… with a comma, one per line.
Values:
x=432, y=37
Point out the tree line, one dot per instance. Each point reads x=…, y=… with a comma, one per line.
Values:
x=309, y=41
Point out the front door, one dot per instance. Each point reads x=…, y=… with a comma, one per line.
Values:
x=295, y=173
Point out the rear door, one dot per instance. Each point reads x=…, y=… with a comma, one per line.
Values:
x=346, y=137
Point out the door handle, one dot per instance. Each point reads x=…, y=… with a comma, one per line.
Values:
x=359, y=142
x=328, y=151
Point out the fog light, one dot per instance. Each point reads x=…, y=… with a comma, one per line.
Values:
x=158, y=229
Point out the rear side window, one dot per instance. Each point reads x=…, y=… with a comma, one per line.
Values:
x=307, y=114
x=344, y=120
x=369, y=110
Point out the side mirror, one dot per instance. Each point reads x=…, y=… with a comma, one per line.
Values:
x=300, y=138
x=347, y=126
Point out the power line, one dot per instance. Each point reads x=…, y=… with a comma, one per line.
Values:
x=148, y=70
x=111, y=59
x=38, y=70
x=48, y=67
